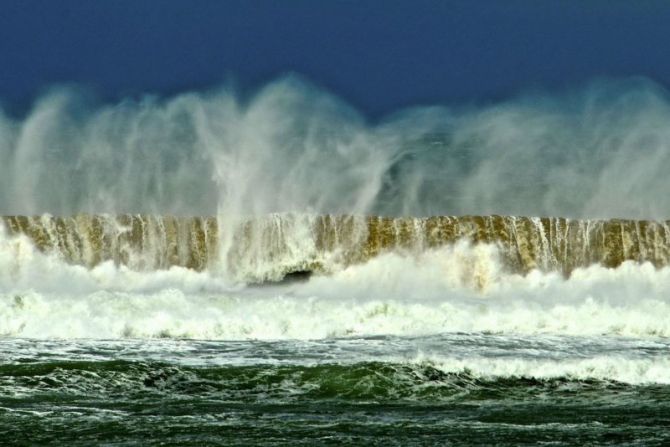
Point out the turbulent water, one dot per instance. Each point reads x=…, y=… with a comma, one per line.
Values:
x=276, y=270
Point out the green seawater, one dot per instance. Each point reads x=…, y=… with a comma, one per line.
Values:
x=449, y=389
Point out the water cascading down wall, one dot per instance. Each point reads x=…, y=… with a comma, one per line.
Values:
x=267, y=249
x=292, y=179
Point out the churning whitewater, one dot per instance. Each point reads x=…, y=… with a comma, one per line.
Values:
x=403, y=289
x=275, y=263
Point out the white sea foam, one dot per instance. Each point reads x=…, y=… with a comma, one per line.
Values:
x=460, y=288
x=606, y=368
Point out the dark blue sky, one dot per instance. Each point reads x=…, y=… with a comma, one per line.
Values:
x=378, y=55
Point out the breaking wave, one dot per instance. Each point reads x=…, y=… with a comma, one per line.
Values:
x=386, y=381
x=99, y=238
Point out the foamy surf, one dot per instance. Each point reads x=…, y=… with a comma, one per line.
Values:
x=456, y=288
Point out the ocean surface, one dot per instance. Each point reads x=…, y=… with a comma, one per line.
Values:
x=275, y=269
x=461, y=388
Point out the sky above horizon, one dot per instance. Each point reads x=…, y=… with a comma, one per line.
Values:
x=378, y=55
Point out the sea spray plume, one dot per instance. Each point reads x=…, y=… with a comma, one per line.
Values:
x=71, y=157
x=192, y=154
x=7, y=135
x=293, y=148
x=600, y=152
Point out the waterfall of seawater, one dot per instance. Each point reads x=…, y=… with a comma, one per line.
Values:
x=269, y=248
